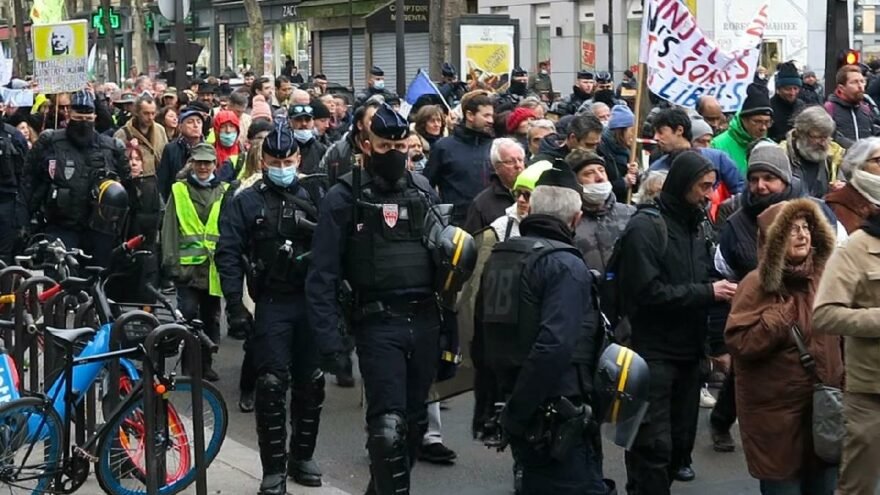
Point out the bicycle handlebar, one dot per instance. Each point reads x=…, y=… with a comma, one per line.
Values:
x=194, y=326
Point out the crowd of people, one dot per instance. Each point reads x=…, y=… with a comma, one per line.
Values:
x=747, y=239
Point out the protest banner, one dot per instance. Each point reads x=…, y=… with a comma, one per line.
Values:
x=684, y=64
x=61, y=56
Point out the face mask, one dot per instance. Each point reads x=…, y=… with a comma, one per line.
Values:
x=282, y=176
x=417, y=158
x=389, y=166
x=543, y=72
x=227, y=139
x=303, y=135
x=379, y=85
x=518, y=87
x=201, y=182
x=595, y=194
x=80, y=132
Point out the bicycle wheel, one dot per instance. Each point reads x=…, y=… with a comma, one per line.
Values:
x=121, y=451
x=30, y=446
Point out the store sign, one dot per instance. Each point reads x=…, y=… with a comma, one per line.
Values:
x=384, y=19
x=588, y=54
x=788, y=23
x=288, y=11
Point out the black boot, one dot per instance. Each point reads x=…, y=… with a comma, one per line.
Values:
x=271, y=416
x=305, y=417
x=208, y=372
x=389, y=456
x=345, y=375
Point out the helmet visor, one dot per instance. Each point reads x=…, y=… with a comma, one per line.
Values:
x=108, y=219
x=622, y=422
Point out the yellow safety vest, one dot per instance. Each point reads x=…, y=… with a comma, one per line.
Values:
x=197, y=240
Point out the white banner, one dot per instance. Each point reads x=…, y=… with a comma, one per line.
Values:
x=684, y=64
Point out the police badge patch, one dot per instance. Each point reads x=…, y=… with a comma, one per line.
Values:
x=51, y=169
x=391, y=214
x=69, y=170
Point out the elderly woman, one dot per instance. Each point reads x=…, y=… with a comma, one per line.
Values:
x=860, y=197
x=507, y=226
x=815, y=158
x=538, y=129
x=773, y=390
x=847, y=304
x=192, y=211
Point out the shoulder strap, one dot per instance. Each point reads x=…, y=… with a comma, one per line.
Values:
x=806, y=358
x=508, y=229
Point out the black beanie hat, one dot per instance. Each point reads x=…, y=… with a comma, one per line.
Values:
x=757, y=101
x=787, y=75
x=320, y=110
x=686, y=169
x=559, y=176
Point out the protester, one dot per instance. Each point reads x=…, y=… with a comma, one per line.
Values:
x=508, y=160
x=709, y=108
x=583, y=132
x=429, y=123
x=774, y=391
x=815, y=158
x=177, y=152
x=538, y=130
x=852, y=117
x=859, y=198
x=617, y=140
x=785, y=103
x=507, y=225
x=812, y=93
x=302, y=121
x=701, y=133
x=167, y=118
x=749, y=124
x=230, y=152
x=601, y=111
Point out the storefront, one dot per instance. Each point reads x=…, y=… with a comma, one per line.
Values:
x=383, y=40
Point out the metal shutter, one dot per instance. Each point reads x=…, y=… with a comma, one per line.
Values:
x=335, y=59
x=385, y=56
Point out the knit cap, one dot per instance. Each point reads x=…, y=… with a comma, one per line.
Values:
x=769, y=157
x=757, y=101
x=261, y=109
x=621, y=117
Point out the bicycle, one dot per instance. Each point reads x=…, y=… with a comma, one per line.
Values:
x=36, y=455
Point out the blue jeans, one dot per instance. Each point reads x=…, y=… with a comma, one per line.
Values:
x=820, y=482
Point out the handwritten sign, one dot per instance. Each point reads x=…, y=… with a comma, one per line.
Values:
x=684, y=64
x=61, y=56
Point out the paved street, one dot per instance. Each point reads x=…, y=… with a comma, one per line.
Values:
x=476, y=471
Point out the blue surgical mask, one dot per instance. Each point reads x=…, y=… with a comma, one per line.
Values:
x=205, y=183
x=303, y=135
x=227, y=139
x=379, y=84
x=282, y=176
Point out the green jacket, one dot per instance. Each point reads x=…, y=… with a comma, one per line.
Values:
x=203, y=198
x=735, y=142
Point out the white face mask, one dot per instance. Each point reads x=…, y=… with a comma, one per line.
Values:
x=596, y=193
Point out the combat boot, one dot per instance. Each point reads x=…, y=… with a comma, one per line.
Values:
x=306, y=402
x=269, y=405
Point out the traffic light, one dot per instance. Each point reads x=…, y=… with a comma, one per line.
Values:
x=848, y=57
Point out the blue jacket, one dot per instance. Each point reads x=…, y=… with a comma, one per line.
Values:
x=459, y=168
x=727, y=171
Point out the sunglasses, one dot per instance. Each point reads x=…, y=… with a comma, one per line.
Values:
x=525, y=194
x=301, y=109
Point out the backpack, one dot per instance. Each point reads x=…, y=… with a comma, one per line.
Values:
x=611, y=301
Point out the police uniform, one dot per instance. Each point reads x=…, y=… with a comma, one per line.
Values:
x=542, y=339
x=266, y=229
x=370, y=91
x=516, y=91
x=454, y=90
x=375, y=246
x=13, y=212
x=66, y=167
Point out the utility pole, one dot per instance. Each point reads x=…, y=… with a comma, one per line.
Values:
x=109, y=43
x=837, y=38
x=21, y=42
x=400, y=34
x=180, y=41
x=437, y=54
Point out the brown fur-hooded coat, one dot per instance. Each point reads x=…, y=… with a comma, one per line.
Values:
x=773, y=390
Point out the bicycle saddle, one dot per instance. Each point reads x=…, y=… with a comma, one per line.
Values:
x=70, y=335
x=75, y=284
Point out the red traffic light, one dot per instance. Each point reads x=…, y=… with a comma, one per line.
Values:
x=852, y=57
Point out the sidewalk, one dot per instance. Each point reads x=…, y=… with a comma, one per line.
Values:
x=236, y=470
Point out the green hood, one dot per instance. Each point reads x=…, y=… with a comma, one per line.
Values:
x=738, y=133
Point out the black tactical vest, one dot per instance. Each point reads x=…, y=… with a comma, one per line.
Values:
x=511, y=311
x=386, y=251
x=11, y=159
x=74, y=173
x=279, y=241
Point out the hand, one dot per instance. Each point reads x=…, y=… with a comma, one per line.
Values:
x=723, y=290
x=241, y=323
x=631, y=179
x=722, y=362
x=632, y=168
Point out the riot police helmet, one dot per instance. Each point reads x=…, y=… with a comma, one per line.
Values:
x=621, y=386
x=110, y=201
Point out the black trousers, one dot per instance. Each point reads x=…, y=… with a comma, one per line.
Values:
x=8, y=228
x=199, y=304
x=724, y=413
x=579, y=473
x=664, y=439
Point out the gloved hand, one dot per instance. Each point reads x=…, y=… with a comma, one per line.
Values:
x=241, y=323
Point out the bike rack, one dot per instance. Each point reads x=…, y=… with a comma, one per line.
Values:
x=117, y=336
x=8, y=278
x=23, y=339
x=154, y=411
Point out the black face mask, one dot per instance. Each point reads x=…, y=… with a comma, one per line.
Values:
x=80, y=132
x=417, y=158
x=389, y=166
x=605, y=96
x=518, y=87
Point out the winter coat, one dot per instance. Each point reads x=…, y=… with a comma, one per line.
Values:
x=853, y=122
x=599, y=230
x=668, y=279
x=817, y=184
x=812, y=95
x=847, y=304
x=773, y=390
x=550, y=148
x=338, y=159
x=735, y=142
x=174, y=158
x=507, y=226
x=459, y=168
x=850, y=207
x=572, y=102
x=783, y=117
x=151, y=148
x=616, y=161
x=727, y=171
x=311, y=154
x=488, y=205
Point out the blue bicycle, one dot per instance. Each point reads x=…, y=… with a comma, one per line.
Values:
x=36, y=451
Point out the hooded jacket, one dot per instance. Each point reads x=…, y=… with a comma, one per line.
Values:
x=459, y=168
x=672, y=287
x=551, y=147
x=852, y=122
x=773, y=390
x=225, y=154
x=735, y=142
x=850, y=207
x=816, y=184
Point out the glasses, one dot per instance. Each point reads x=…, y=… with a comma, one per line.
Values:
x=796, y=230
x=513, y=161
x=525, y=194
x=762, y=123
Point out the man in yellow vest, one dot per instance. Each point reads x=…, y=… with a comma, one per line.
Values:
x=189, y=238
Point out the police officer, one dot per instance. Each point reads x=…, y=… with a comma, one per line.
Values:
x=270, y=226
x=375, y=87
x=540, y=320
x=517, y=90
x=369, y=237
x=450, y=87
x=63, y=187
x=13, y=213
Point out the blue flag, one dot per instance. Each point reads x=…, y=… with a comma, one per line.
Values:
x=420, y=85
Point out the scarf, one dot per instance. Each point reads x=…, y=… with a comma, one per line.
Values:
x=547, y=227
x=867, y=184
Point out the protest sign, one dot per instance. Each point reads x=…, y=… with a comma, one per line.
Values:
x=684, y=64
x=61, y=56
x=17, y=97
